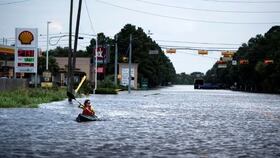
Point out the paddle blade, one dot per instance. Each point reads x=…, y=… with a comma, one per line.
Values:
x=70, y=95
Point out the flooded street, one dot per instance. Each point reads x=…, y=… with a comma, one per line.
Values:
x=176, y=121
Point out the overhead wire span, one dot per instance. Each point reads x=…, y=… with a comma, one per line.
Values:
x=184, y=52
x=238, y=1
x=207, y=10
x=14, y=2
x=198, y=48
x=91, y=25
x=187, y=19
x=191, y=42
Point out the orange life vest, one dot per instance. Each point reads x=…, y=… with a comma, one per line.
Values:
x=87, y=110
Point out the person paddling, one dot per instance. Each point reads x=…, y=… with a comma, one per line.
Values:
x=87, y=108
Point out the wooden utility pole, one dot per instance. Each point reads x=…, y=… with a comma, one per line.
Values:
x=77, y=34
x=70, y=54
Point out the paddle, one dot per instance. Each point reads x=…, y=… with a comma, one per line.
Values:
x=70, y=95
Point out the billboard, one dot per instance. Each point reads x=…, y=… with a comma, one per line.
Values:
x=125, y=76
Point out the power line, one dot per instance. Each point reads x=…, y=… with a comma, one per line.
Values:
x=7, y=3
x=198, y=48
x=196, y=42
x=225, y=1
x=91, y=25
x=204, y=56
x=186, y=19
x=206, y=10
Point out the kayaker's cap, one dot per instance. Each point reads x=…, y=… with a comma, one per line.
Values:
x=87, y=101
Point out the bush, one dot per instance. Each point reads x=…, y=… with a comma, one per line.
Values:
x=30, y=97
x=107, y=83
x=105, y=91
x=86, y=88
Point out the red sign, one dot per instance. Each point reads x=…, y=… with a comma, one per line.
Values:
x=100, y=70
x=268, y=62
x=25, y=53
x=244, y=62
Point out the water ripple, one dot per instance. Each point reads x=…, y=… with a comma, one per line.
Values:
x=172, y=122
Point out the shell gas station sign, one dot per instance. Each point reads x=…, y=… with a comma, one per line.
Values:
x=26, y=47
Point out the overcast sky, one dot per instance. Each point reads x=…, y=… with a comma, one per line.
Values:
x=182, y=23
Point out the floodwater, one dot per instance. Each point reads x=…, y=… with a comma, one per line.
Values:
x=172, y=122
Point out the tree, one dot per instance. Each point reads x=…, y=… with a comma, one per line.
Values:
x=184, y=79
x=53, y=66
x=256, y=75
x=158, y=69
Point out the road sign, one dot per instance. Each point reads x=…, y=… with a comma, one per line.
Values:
x=171, y=51
x=203, y=52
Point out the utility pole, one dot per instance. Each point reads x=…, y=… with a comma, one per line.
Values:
x=72, y=54
x=116, y=59
x=129, y=64
x=76, y=35
x=69, y=84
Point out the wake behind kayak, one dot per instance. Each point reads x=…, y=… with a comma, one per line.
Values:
x=85, y=118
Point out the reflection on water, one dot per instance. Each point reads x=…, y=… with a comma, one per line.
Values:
x=171, y=122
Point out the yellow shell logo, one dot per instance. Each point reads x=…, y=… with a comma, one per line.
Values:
x=26, y=37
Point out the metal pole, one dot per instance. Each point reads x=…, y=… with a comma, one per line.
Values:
x=47, y=51
x=69, y=85
x=129, y=64
x=95, y=75
x=116, y=60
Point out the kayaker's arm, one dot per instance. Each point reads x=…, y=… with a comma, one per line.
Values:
x=92, y=109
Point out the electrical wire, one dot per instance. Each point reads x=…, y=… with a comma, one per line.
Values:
x=196, y=42
x=7, y=3
x=198, y=48
x=91, y=25
x=207, y=10
x=186, y=19
x=236, y=1
x=204, y=56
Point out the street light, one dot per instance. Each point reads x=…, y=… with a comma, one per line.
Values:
x=47, y=51
x=59, y=38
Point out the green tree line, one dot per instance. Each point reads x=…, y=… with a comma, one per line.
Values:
x=187, y=79
x=157, y=69
x=256, y=75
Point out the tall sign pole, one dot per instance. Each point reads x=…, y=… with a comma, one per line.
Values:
x=47, y=51
x=95, y=70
